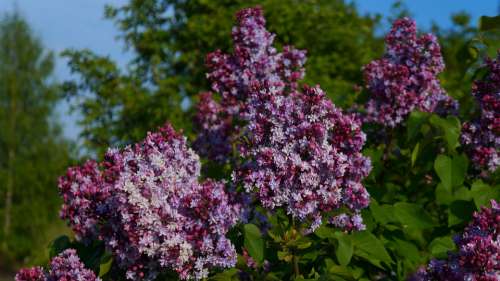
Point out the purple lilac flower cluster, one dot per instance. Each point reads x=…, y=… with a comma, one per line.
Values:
x=146, y=204
x=405, y=79
x=478, y=256
x=481, y=137
x=66, y=266
x=303, y=153
x=299, y=151
x=255, y=63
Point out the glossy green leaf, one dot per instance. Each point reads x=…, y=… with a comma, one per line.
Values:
x=58, y=245
x=414, y=154
x=253, y=242
x=344, y=250
x=369, y=247
x=227, y=275
x=450, y=127
x=383, y=214
x=444, y=196
x=440, y=246
x=407, y=250
x=412, y=215
x=451, y=171
x=482, y=193
x=105, y=265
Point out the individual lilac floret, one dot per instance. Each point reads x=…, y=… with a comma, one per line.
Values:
x=302, y=153
x=478, y=256
x=405, y=79
x=64, y=267
x=481, y=137
x=254, y=62
x=146, y=204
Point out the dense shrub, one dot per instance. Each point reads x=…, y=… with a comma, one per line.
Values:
x=303, y=190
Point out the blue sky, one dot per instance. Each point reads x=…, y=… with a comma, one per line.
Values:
x=80, y=24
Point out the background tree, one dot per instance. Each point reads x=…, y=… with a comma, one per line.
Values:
x=32, y=151
x=169, y=41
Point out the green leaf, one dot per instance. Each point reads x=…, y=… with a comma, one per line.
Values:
x=460, y=211
x=440, y=246
x=344, y=250
x=450, y=127
x=483, y=193
x=227, y=275
x=325, y=232
x=341, y=271
x=414, y=154
x=451, y=171
x=443, y=196
x=444, y=169
x=369, y=247
x=253, y=242
x=383, y=214
x=105, y=265
x=412, y=215
x=58, y=245
x=414, y=123
x=407, y=250
x=489, y=23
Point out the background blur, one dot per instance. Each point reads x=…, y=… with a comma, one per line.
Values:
x=79, y=76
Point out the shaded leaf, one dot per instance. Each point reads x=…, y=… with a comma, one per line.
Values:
x=412, y=215
x=253, y=242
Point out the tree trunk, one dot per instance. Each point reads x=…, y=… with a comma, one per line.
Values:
x=11, y=151
x=8, y=197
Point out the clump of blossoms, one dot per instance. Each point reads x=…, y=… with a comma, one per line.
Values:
x=303, y=153
x=405, y=79
x=146, y=204
x=298, y=150
x=66, y=266
x=481, y=137
x=234, y=76
x=478, y=256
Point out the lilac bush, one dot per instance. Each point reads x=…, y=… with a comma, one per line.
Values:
x=405, y=79
x=255, y=63
x=478, y=256
x=146, y=204
x=481, y=137
x=296, y=162
x=299, y=151
x=64, y=267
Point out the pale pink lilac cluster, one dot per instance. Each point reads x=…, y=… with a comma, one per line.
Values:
x=254, y=63
x=64, y=267
x=478, y=255
x=405, y=79
x=146, y=204
x=481, y=137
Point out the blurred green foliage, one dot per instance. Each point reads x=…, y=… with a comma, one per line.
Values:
x=32, y=152
x=169, y=41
